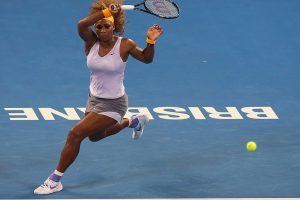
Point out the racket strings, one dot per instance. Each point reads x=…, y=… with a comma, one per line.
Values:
x=163, y=8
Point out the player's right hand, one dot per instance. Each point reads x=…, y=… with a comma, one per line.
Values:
x=114, y=9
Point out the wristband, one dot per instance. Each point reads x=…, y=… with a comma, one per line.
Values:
x=150, y=41
x=106, y=13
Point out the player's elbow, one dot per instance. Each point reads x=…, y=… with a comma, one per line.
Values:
x=148, y=61
x=81, y=24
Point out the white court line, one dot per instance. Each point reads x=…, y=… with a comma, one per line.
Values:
x=179, y=199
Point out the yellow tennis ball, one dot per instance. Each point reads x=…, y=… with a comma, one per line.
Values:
x=251, y=146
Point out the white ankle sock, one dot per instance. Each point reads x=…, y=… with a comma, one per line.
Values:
x=58, y=173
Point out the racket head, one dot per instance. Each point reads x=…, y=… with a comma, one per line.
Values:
x=166, y=9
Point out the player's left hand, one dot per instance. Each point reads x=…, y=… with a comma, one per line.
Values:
x=155, y=32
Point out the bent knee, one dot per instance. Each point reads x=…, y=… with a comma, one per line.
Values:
x=98, y=136
x=76, y=134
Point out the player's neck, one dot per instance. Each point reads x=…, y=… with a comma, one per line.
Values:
x=108, y=43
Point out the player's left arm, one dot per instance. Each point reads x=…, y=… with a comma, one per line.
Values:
x=145, y=55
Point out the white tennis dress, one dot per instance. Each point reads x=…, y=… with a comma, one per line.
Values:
x=107, y=91
x=107, y=72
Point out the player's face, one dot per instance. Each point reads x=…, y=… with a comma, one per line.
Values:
x=104, y=29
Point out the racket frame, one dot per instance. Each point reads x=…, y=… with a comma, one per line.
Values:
x=146, y=10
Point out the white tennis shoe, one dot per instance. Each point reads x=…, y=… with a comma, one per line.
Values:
x=48, y=187
x=139, y=129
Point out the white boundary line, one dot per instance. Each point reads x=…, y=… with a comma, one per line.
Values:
x=180, y=199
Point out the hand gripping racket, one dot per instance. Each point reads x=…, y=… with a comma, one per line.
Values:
x=166, y=9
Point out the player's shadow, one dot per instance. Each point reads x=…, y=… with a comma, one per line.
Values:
x=88, y=182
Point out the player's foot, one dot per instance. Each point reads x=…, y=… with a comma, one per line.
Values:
x=48, y=187
x=140, y=121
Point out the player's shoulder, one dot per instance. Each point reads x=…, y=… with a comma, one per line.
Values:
x=128, y=42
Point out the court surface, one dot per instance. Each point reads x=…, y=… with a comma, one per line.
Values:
x=233, y=56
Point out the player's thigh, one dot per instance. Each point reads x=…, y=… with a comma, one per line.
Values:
x=91, y=124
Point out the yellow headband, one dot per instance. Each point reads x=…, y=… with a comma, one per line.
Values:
x=111, y=19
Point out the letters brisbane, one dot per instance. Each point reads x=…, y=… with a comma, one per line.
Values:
x=165, y=113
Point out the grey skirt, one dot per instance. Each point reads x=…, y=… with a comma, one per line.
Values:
x=114, y=108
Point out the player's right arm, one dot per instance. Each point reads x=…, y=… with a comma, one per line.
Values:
x=86, y=33
x=84, y=27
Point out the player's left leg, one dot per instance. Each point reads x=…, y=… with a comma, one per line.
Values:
x=137, y=122
x=110, y=131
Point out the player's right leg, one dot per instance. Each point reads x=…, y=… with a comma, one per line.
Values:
x=89, y=125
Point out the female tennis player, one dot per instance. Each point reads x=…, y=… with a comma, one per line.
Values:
x=107, y=56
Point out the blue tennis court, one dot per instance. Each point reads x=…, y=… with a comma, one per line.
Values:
x=225, y=73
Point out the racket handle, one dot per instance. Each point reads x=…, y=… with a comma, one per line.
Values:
x=127, y=7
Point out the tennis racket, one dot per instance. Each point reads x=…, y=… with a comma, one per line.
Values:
x=166, y=9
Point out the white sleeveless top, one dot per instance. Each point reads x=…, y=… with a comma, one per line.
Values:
x=107, y=72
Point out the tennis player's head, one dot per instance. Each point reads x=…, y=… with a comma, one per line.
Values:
x=108, y=26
